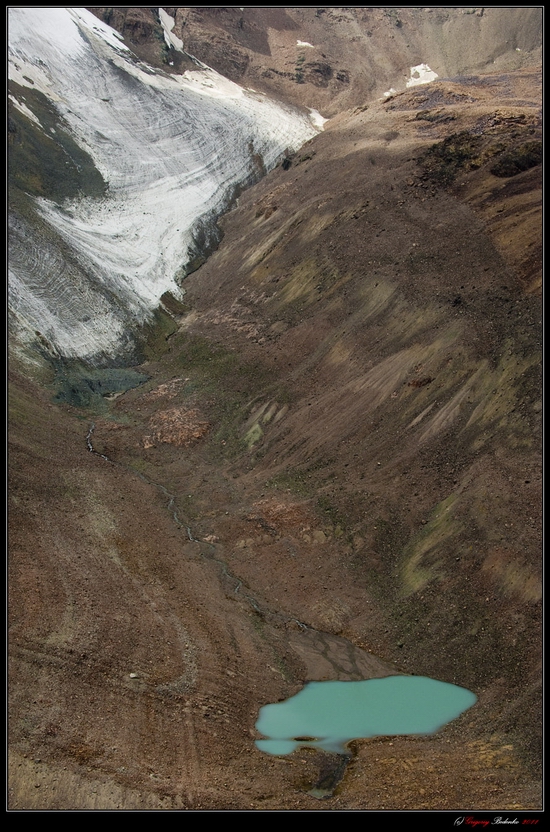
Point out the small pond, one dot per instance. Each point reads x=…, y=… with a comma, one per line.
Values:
x=328, y=715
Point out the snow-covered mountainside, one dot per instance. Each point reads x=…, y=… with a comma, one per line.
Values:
x=122, y=170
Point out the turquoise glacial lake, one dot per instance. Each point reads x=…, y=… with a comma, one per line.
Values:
x=328, y=715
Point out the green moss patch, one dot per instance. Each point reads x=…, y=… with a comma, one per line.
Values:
x=422, y=557
x=154, y=334
x=45, y=160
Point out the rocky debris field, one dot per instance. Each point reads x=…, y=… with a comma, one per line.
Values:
x=332, y=471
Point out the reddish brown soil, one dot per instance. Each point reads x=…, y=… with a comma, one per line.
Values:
x=344, y=433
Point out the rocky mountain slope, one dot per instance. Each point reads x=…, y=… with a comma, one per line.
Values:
x=334, y=58
x=329, y=466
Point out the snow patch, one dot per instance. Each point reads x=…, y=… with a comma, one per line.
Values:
x=168, y=24
x=421, y=74
x=24, y=109
x=88, y=21
x=317, y=119
x=61, y=31
x=304, y=43
x=25, y=74
x=209, y=82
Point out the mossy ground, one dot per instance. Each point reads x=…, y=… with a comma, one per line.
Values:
x=44, y=160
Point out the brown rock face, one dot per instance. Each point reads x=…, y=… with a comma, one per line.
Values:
x=335, y=58
x=137, y=25
x=344, y=474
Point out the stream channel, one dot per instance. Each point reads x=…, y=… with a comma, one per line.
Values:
x=364, y=696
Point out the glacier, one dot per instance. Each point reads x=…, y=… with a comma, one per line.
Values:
x=84, y=272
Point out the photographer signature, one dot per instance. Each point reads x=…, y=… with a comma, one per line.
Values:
x=471, y=821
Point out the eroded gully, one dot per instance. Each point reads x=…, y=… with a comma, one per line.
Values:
x=324, y=655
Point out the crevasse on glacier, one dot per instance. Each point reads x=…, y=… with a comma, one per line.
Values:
x=172, y=149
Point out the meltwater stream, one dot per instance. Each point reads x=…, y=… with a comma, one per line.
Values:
x=327, y=715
